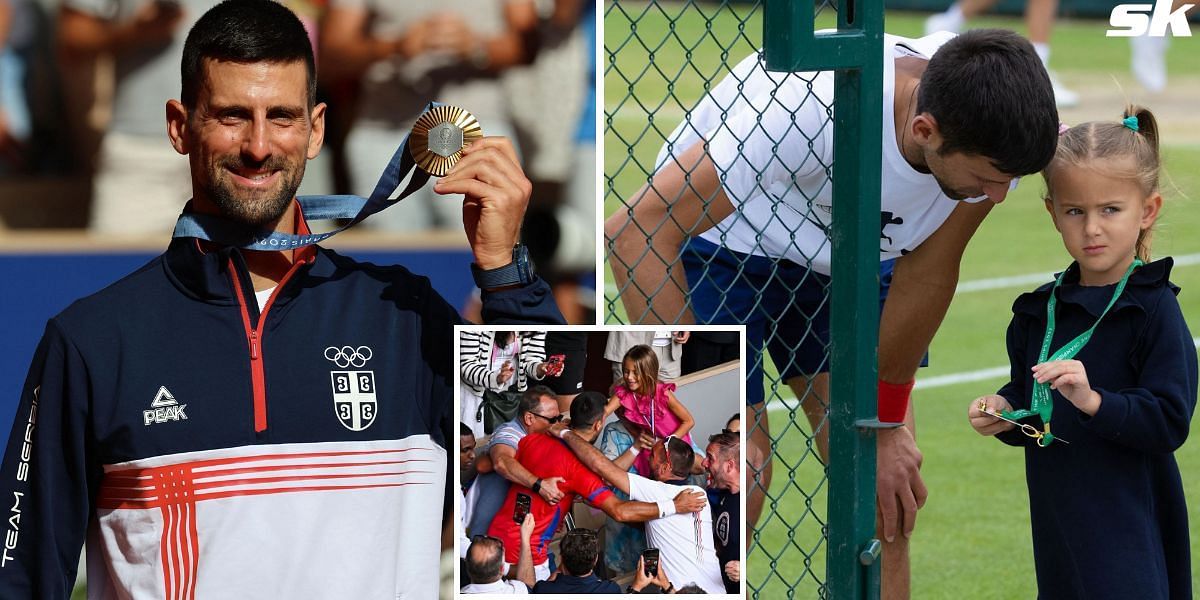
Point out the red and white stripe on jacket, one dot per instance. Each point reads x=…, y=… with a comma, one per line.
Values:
x=163, y=523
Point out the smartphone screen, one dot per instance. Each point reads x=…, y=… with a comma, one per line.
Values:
x=650, y=561
x=522, y=508
x=556, y=362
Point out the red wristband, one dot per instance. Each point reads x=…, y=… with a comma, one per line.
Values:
x=893, y=401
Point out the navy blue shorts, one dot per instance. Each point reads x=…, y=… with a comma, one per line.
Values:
x=784, y=306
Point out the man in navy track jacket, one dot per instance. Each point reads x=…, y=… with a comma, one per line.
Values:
x=229, y=423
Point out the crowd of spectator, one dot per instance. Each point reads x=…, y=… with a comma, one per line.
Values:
x=681, y=500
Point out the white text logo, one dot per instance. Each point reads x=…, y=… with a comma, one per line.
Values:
x=1134, y=20
x=164, y=408
x=14, y=519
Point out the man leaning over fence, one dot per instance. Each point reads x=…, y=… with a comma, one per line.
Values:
x=742, y=195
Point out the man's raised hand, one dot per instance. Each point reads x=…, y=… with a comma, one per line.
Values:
x=496, y=193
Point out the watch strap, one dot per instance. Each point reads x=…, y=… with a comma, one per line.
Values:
x=518, y=272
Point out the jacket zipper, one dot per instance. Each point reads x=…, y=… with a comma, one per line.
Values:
x=254, y=337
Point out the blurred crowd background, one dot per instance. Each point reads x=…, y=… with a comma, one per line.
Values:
x=83, y=84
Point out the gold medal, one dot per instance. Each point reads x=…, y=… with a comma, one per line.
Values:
x=439, y=136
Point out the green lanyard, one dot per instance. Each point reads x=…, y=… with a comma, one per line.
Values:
x=1042, y=406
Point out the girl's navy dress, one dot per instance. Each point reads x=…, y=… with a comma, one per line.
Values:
x=1108, y=512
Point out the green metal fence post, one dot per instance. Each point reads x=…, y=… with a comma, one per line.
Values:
x=856, y=52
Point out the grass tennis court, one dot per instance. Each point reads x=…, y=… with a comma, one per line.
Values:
x=972, y=539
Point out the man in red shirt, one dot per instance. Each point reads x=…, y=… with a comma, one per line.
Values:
x=545, y=455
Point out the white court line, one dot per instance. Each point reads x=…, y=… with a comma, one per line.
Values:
x=980, y=285
x=933, y=382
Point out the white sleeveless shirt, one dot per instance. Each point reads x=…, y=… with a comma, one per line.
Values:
x=770, y=136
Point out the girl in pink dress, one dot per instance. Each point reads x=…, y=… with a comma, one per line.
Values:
x=647, y=405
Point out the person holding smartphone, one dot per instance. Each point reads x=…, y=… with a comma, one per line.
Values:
x=571, y=346
x=650, y=558
x=500, y=361
x=486, y=568
x=645, y=582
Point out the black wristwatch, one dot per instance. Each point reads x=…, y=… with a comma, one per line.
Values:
x=518, y=272
x=537, y=487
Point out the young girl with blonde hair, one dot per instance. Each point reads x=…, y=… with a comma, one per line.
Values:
x=1103, y=380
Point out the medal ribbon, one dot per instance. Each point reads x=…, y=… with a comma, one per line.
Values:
x=1042, y=406
x=356, y=208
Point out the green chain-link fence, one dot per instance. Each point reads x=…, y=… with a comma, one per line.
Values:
x=671, y=160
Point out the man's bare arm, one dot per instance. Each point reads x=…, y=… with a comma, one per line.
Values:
x=504, y=459
x=687, y=500
x=596, y=462
x=684, y=198
x=624, y=461
x=629, y=512
x=525, y=572
x=923, y=285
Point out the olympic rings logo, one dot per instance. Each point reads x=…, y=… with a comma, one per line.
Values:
x=348, y=356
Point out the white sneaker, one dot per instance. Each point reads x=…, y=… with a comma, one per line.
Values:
x=1148, y=60
x=1063, y=97
x=944, y=21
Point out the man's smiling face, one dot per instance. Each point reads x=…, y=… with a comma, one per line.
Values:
x=250, y=136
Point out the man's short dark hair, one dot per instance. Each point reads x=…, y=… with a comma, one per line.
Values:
x=680, y=456
x=580, y=550
x=691, y=588
x=586, y=409
x=485, y=560
x=729, y=445
x=532, y=398
x=991, y=96
x=464, y=429
x=245, y=31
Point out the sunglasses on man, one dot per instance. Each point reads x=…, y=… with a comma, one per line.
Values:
x=548, y=419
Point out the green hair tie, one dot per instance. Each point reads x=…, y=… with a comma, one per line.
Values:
x=1130, y=122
